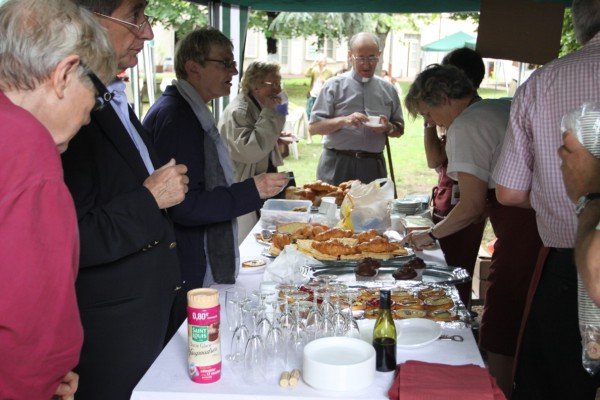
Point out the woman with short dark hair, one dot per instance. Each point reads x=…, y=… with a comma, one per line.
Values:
x=444, y=96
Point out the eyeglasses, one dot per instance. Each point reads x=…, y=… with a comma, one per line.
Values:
x=136, y=28
x=225, y=63
x=103, y=96
x=273, y=84
x=364, y=60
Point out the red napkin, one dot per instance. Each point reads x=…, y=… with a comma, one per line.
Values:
x=417, y=380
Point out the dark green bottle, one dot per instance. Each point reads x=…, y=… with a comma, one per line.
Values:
x=384, y=335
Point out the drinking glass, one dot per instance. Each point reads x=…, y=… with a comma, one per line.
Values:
x=314, y=318
x=286, y=319
x=352, y=329
x=276, y=356
x=254, y=355
x=233, y=297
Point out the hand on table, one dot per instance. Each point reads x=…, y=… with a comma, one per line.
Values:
x=168, y=184
x=67, y=388
x=580, y=169
x=268, y=185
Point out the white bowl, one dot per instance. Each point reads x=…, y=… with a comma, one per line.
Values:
x=338, y=364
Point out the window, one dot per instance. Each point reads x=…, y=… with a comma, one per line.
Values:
x=329, y=47
x=284, y=50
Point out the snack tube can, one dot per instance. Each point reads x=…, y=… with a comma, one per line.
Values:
x=204, y=343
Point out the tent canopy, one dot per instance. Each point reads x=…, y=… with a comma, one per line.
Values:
x=451, y=42
x=373, y=6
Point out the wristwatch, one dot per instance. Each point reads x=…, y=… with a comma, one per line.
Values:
x=431, y=235
x=584, y=200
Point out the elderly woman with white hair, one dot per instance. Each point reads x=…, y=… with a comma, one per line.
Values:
x=50, y=53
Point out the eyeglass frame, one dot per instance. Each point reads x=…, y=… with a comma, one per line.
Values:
x=227, y=64
x=134, y=27
x=274, y=84
x=362, y=60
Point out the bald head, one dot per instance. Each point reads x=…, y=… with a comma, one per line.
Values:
x=363, y=39
x=364, y=52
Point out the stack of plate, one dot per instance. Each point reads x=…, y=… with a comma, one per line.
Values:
x=406, y=207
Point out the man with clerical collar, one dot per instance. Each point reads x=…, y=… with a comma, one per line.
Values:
x=353, y=143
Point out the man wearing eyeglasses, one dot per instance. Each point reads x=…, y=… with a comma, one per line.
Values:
x=353, y=143
x=129, y=272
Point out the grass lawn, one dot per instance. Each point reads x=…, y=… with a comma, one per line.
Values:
x=408, y=155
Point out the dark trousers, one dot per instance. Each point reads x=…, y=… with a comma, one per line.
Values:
x=549, y=365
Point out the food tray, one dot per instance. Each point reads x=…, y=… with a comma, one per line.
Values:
x=432, y=273
x=464, y=317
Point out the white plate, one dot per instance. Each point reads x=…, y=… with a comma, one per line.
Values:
x=252, y=270
x=410, y=333
x=416, y=332
x=371, y=125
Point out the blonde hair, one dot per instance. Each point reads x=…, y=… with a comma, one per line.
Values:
x=256, y=73
x=36, y=35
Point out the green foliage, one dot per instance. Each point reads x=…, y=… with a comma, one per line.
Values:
x=322, y=25
x=568, y=42
x=181, y=15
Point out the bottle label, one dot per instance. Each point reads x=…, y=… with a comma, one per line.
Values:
x=204, y=345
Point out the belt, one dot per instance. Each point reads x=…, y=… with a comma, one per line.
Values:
x=561, y=249
x=357, y=154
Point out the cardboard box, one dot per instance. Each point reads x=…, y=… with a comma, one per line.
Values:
x=480, y=277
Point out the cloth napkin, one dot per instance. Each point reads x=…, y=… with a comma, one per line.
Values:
x=417, y=380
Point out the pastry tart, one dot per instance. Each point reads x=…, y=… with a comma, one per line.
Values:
x=442, y=315
x=430, y=292
x=438, y=303
x=408, y=313
x=410, y=303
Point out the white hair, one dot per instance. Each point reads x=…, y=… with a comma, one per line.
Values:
x=36, y=35
x=361, y=35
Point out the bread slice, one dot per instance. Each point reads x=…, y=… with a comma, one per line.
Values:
x=291, y=227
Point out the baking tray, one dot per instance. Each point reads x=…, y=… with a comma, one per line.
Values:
x=432, y=273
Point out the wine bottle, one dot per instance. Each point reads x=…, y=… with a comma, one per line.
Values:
x=384, y=335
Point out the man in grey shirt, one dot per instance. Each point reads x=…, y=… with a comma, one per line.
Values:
x=353, y=144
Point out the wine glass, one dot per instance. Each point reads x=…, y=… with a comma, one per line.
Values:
x=233, y=297
x=352, y=329
x=337, y=318
x=286, y=318
x=277, y=348
x=314, y=318
x=254, y=355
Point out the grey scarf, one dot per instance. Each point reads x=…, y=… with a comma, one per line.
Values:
x=220, y=239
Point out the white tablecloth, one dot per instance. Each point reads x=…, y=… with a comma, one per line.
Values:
x=168, y=378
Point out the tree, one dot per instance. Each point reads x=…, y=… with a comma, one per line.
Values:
x=568, y=42
x=180, y=15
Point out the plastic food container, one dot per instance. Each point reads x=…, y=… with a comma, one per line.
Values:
x=277, y=211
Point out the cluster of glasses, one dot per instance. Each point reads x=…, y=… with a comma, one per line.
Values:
x=271, y=327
